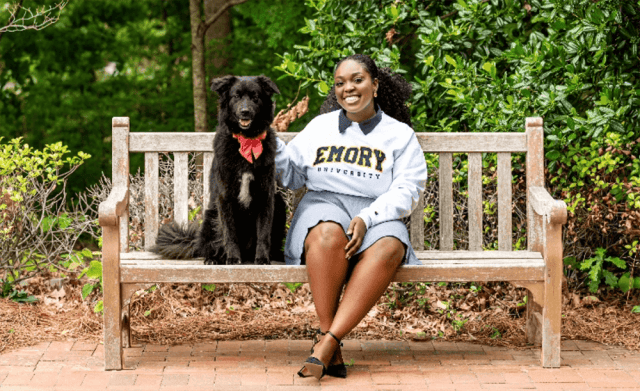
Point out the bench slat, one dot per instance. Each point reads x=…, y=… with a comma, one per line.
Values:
x=476, y=255
x=446, y=201
x=430, y=142
x=171, y=142
x=498, y=270
x=422, y=255
x=505, y=236
x=150, y=199
x=417, y=225
x=475, y=202
x=206, y=162
x=179, y=141
x=466, y=273
x=196, y=261
x=181, y=188
x=472, y=142
x=496, y=262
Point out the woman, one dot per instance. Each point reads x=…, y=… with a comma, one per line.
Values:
x=364, y=169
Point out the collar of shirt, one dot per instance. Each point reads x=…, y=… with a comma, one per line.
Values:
x=366, y=126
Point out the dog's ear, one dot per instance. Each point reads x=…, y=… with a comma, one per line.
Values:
x=222, y=84
x=269, y=86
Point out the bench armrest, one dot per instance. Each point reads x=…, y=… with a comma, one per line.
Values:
x=555, y=211
x=112, y=208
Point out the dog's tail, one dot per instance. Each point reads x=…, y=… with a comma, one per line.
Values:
x=177, y=242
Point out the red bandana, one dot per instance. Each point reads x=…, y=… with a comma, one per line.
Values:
x=250, y=148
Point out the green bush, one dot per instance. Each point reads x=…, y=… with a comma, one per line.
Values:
x=38, y=226
x=482, y=65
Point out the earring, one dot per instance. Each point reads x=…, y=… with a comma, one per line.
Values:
x=375, y=94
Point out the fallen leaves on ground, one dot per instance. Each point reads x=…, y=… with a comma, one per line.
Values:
x=490, y=314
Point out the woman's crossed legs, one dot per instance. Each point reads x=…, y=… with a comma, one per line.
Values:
x=327, y=268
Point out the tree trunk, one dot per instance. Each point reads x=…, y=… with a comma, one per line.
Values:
x=197, y=59
x=198, y=29
x=216, y=39
x=216, y=48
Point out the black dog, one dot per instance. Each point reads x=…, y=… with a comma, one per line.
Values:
x=245, y=219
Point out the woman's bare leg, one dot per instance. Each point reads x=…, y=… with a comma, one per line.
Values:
x=370, y=278
x=327, y=268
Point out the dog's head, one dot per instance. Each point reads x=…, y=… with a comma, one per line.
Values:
x=245, y=103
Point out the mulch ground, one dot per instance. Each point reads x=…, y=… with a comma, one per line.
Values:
x=172, y=314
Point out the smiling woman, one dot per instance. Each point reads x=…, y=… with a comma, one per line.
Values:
x=355, y=90
x=390, y=90
x=364, y=169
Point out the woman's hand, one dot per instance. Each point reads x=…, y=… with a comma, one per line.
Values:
x=357, y=229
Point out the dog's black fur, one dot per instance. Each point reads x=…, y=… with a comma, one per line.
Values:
x=245, y=222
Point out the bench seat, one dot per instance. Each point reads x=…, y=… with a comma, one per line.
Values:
x=145, y=267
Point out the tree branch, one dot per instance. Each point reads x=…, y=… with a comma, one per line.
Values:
x=215, y=16
x=13, y=15
x=12, y=18
x=29, y=19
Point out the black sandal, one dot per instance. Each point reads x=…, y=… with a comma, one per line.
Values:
x=335, y=370
x=315, y=366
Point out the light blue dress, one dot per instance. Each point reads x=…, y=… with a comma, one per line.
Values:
x=374, y=170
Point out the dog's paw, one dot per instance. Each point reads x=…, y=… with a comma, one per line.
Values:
x=234, y=261
x=262, y=261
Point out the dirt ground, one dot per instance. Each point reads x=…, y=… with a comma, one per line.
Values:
x=490, y=314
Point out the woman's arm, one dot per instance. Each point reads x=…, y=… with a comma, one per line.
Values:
x=409, y=180
x=289, y=165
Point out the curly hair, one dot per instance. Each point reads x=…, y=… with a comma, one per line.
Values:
x=393, y=90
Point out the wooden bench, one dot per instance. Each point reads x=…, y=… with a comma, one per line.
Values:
x=539, y=269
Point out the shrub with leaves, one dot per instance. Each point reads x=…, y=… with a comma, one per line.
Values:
x=93, y=272
x=596, y=269
x=37, y=223
x=478, y=65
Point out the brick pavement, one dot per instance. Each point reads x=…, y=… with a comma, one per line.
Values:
x=272, y=365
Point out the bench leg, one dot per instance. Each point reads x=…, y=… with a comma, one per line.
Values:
x=126, y=295
x=126, y=327
x=534, y=315
x=552, y=311
x=112, y=306
x=535, y=297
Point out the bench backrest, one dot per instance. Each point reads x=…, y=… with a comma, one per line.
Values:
x=445, y=144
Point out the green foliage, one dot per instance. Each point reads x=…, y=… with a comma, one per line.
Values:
x=93, y=272
x=523, y=303
x=100, y=60
x=193, y=213
x=293, y=286
x=336, y=29
x=596, y=271
x=128, y=58
x=482, y=65
x=36, y=224
x=22, y=167
x=76, y=259
x=7, y=290
x=261, y=30
x=626, y=282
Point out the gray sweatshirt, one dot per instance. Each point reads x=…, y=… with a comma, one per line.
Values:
x=379, y=158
